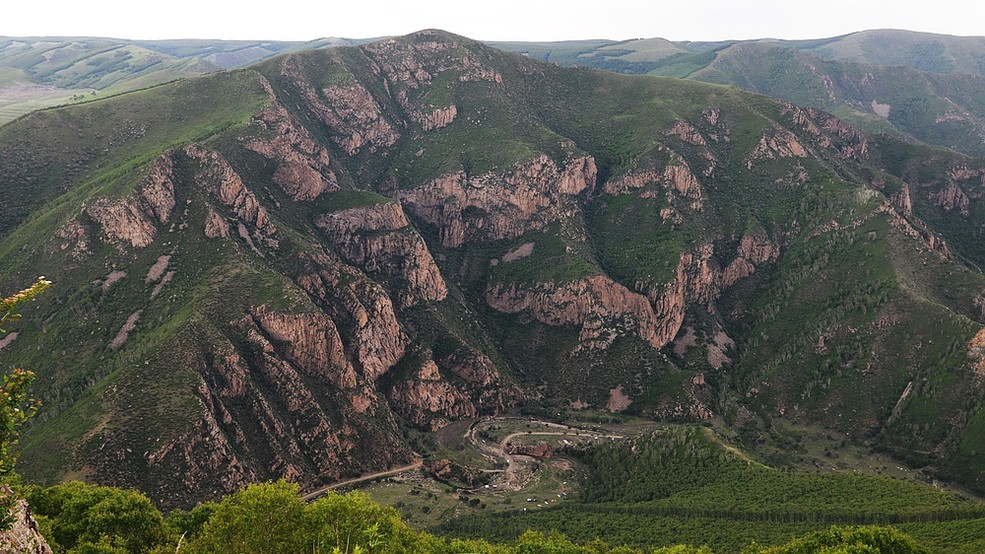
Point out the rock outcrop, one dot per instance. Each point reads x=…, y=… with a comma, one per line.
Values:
x=379, y=239
x=23, y=536
x=303, y=171
x=600, y=306
x=284, y=402
x=605, y=309
x=363, y=310
x=495, y=206
x=440, y=117
x=952, y=198
x=976, y=351
x=407, y=66
x=122, y=222
x=829, y=132
x=686, y=132
x=470, y=386
x=133, y=220
x=311, y=342
x=354, y=116
x=429, y=402
x=777, y=143
x=218, y=177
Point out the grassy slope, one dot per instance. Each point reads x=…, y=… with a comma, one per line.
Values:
x=621, y=122
x=74, y=381
x=921, y=51
x=684, y=485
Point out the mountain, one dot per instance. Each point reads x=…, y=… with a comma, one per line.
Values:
x=38, y=72
x=924, y=87
x=296, y=268
x=921, y=51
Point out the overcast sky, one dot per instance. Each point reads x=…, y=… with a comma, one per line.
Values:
x=487, y=20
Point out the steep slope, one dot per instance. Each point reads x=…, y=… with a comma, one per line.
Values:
x=277, y=271
x=943, y=110
x=928, y=88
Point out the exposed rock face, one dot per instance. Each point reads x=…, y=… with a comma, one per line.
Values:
x=122, y=222
x=931, y=240
x=219, y=178
x=778, y=143
x=976, y=351
x=686, y=132
x=829, y=131
x=440, y=117
x=206, y=453
x=304, y=164
x=354, y=116
x=363, y=308
x=683, y=188
x=605, y=309
x=23, y=536
x=491, y=393
x=156, y=192
x=273, y=406
x=903, y=202
x=951, y=198
x=311, y=342
x=683, y=183
x=379, y=238
x=215, y=225
x=497, y=206
x=407, y=66
x=430, y=400
x=598, y=304
x=964, y=173
x=630, y=181
x=133, y=220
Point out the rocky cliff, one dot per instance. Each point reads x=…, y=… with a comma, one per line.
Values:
x=379, y=239
x=336, y=245
x=496, y=206
x=23, y=536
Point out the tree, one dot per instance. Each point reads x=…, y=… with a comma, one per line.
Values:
x=90, y=518
x=15, y=405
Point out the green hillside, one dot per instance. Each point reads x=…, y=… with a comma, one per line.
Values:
x=682, y=485
x=309, y=268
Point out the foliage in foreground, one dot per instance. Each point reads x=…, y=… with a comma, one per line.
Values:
x=272, y=518
x=16, y=407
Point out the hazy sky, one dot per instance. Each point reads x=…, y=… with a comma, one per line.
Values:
x=486, y=20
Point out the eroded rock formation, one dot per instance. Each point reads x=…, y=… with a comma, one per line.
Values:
x=497, y=206
x=379, y=238
x=303, y=171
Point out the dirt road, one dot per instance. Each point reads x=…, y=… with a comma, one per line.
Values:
x=321, y=491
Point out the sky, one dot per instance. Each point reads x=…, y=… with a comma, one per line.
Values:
x=535, y=20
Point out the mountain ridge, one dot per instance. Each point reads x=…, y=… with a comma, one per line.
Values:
x=460, y=231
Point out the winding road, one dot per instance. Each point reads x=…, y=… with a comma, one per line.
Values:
x=499, y=450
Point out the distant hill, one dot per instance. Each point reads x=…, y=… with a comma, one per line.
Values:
x=37, y=72
x=924, y=87
x=921, y=51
